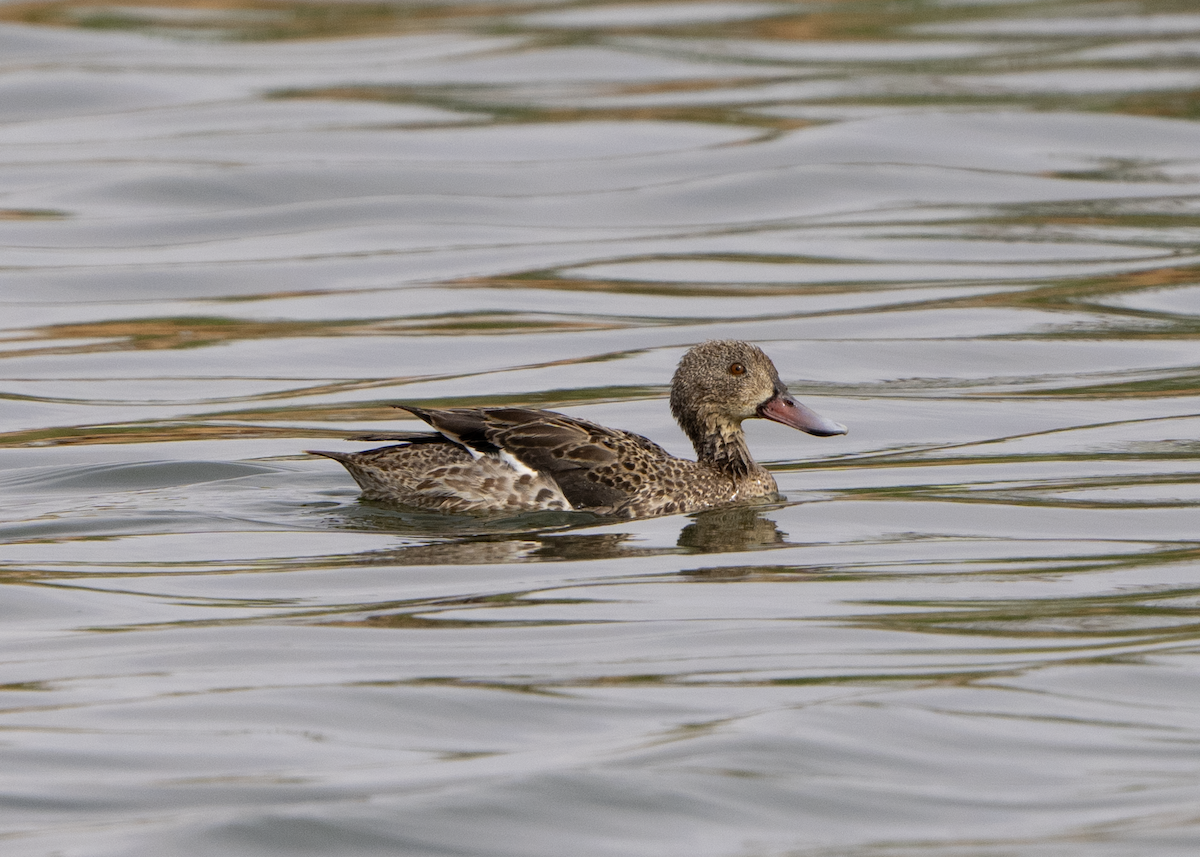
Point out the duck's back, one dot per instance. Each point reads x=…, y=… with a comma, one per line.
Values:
x=600, y=469
x=514, y=459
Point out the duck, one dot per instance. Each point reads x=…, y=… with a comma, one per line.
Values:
x=516, y=460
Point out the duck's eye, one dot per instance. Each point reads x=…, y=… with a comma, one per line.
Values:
x=737, y=369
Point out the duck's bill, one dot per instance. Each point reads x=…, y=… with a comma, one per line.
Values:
x=786, y=410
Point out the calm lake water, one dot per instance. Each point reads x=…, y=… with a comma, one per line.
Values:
x=233, y=231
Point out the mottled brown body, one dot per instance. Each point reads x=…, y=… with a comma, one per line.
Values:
x=520, y=459
x=444, y=477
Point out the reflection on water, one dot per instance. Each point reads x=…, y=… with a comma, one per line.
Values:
x=489, y=540
x=737, y=529
x=232, y=229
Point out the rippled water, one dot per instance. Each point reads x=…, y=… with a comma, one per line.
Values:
x=969, y=230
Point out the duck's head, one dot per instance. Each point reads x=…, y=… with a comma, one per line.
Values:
x=720, y=383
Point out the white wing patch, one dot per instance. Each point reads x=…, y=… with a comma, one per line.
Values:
x=516, y=464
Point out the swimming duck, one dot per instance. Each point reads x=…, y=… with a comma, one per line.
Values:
x=520, y=459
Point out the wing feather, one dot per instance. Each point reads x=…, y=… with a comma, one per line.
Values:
x=582, y=457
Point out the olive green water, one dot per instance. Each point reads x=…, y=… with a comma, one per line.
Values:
x=232, y=231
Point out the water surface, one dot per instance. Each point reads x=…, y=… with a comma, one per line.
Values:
x=231, y=232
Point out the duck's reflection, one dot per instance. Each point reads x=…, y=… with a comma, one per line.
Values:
x=736, y=528
x=739, y=528
x=732, y=529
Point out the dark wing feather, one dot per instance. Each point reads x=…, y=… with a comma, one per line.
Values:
x=581, y=456
x=573, y=453
x=464, y=426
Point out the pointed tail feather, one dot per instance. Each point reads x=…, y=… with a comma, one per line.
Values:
x=343, y=457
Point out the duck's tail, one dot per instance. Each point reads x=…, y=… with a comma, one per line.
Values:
x=343, y=457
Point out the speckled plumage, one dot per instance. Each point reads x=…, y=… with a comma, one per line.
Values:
x=520, y=459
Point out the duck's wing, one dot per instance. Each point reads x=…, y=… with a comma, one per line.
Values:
x=595, y=467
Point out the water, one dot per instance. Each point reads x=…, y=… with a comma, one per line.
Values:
x=970, y=231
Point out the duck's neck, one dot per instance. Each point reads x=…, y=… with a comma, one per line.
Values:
x=722, y=447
